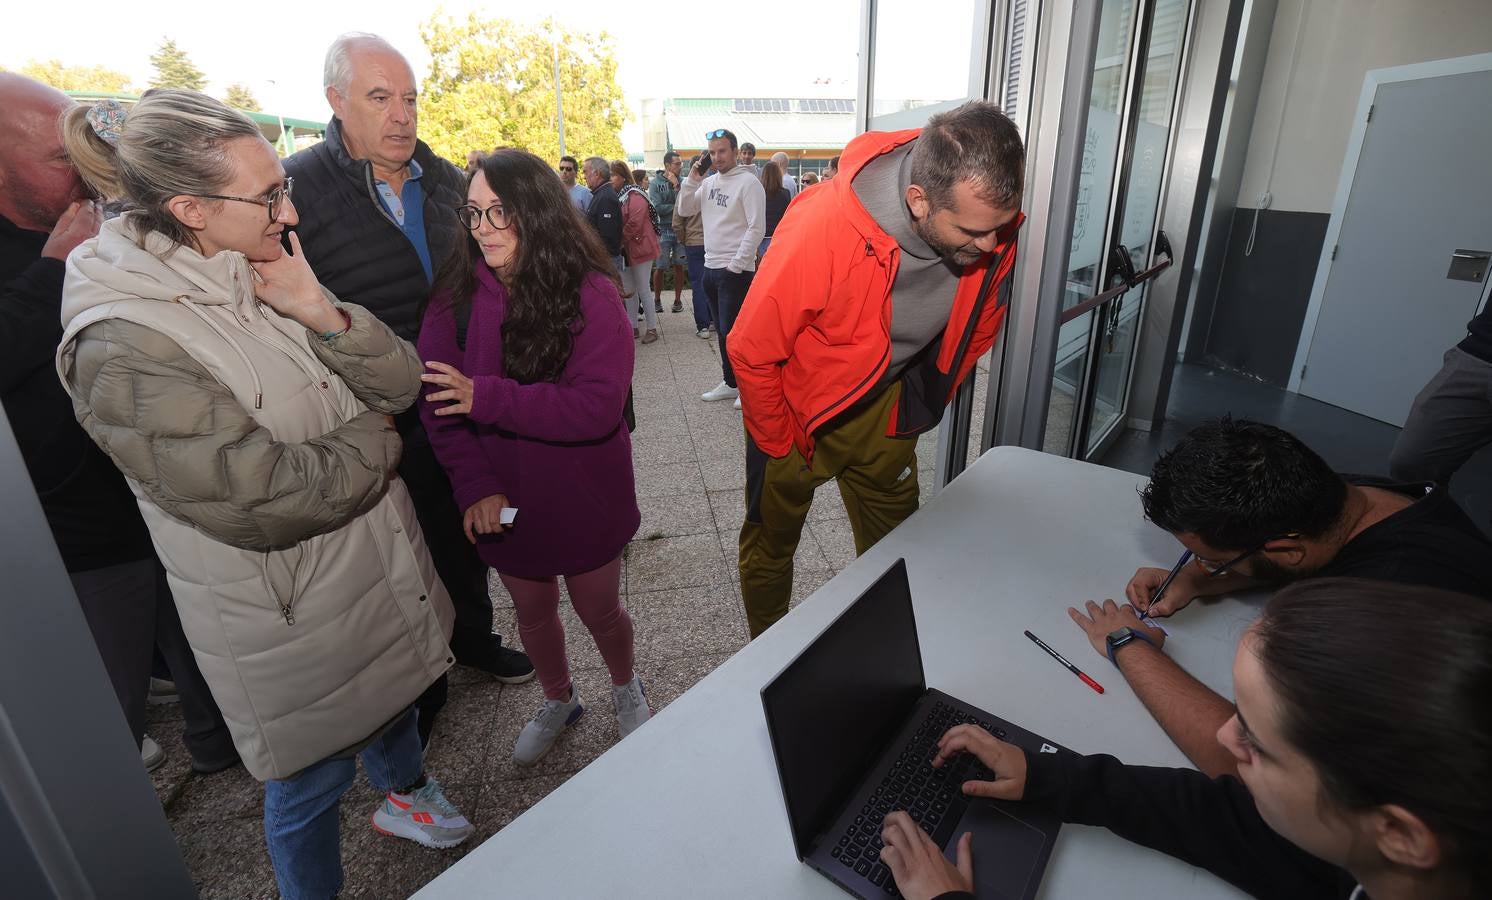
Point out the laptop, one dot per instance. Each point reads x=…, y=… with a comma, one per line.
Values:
x=854, y=727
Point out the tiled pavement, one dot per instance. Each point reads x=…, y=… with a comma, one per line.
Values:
x=681, y=588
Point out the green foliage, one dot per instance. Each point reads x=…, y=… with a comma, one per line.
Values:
x=240, y=97
x=174, y=69
x=491, y=84
x=77, y=78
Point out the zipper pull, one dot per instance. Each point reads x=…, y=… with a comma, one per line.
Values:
x=869, y=250
x=289, y=616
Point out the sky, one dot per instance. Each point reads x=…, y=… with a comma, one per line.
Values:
x=277, y=50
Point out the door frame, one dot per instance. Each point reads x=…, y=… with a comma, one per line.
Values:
x=1375, y=78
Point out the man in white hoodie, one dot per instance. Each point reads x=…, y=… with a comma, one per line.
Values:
x=735, y=218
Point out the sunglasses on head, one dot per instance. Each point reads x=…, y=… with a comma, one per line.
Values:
x=717, y=133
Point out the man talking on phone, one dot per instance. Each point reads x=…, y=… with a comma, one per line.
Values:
x=734, y=209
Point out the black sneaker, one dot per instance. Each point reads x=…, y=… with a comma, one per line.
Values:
x=503, y=663
x=658, y=306
x=678, y=306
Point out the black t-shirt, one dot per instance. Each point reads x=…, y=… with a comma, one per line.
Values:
x=1431, y=542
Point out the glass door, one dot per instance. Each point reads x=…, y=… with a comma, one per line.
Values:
x=1149, y=137
x=1085, y=262
x=1135, y=75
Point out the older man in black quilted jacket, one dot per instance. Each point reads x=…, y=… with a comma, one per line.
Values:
x=377, y=220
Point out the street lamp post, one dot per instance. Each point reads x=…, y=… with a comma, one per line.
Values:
x=559, y=102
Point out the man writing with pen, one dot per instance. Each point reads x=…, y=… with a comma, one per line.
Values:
x=1254, y=507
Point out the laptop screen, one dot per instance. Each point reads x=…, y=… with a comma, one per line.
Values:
x=834, y=708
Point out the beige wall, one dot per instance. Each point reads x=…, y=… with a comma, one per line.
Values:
x=1340, y=41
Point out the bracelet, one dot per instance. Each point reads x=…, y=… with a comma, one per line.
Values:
x=346, y=327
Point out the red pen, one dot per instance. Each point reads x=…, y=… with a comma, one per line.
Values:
x=1070, y=667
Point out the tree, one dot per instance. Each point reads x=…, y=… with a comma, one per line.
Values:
x=240, y=97
x=77, y=78
x=174, y=69
x=491, y=84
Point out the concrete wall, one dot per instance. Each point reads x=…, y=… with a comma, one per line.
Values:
x=1262, y=296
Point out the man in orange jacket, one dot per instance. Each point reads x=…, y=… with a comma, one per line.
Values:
x=883, y=288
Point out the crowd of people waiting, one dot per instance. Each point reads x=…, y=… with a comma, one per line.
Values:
x=284, y=415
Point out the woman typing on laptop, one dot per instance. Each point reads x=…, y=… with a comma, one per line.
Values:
x=1364, y=747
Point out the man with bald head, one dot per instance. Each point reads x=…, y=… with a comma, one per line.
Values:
x=377, y=220
x=45, y=212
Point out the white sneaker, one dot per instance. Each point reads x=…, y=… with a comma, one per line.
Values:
x=703, y=334
x=631, y=704
x=151, y=754
x=423, y=815
x=721, y=391
x=737, y=404
x=539, y=735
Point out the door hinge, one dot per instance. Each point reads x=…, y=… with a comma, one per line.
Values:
x=1334, y=251
x=1370, y=113
x=1303, y=371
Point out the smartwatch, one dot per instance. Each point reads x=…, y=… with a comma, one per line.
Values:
x=1119, y=638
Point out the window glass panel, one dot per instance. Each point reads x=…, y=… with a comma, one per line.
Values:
x=923, y=59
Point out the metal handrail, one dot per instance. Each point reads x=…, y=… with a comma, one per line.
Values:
x=1126, y=270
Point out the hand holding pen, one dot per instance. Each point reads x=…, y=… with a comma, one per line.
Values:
x=1150, y=586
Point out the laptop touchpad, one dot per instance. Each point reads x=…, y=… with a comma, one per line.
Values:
x=1005, y=851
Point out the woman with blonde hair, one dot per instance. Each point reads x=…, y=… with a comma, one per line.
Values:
x=250, y=411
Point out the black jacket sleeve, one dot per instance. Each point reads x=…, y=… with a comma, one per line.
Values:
x=605, y=213
x=30, y=321
x=1209, y=823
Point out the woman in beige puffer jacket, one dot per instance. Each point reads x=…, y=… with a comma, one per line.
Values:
x=249, y=411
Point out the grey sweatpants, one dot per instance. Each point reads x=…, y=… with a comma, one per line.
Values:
x=1451, y=419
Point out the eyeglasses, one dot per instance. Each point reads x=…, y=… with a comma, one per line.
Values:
x=567, y=168
x=717, y=133
x=274, y=199
x=471, y=217
x=1215, y=570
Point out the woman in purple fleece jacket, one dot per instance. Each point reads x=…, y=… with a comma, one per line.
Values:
x=526, y=413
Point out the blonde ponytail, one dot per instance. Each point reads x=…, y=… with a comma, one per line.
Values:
x=91, y=155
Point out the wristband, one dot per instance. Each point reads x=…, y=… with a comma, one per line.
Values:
x=346, y=327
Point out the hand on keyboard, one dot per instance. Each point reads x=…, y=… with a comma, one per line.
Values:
x=918, y=865
x=1006, y=762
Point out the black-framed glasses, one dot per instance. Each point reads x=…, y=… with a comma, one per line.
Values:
x=717, y=133
x=1214, y=570
x=274, y=200
x=471, y=217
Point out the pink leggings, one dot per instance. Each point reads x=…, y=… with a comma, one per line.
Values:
x=596, y=596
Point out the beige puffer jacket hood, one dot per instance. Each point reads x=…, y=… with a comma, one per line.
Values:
x=264, y=463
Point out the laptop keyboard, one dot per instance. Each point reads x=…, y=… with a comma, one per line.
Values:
x=912, y=784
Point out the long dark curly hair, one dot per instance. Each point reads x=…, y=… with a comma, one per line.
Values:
x=557, y=249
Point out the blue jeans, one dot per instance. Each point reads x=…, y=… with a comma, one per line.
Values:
x=670, y=251
x=726, y=291
x=300, y=813
x=696, y=257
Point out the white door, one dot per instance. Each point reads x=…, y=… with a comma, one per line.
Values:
x=1422, y=190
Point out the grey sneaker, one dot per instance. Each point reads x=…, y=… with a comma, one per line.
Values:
x=162, y=692
x=151, y=753
x=424, y=816
x=631, y=704
x=539, y=735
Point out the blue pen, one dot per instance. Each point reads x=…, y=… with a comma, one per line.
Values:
x=1186, y=557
